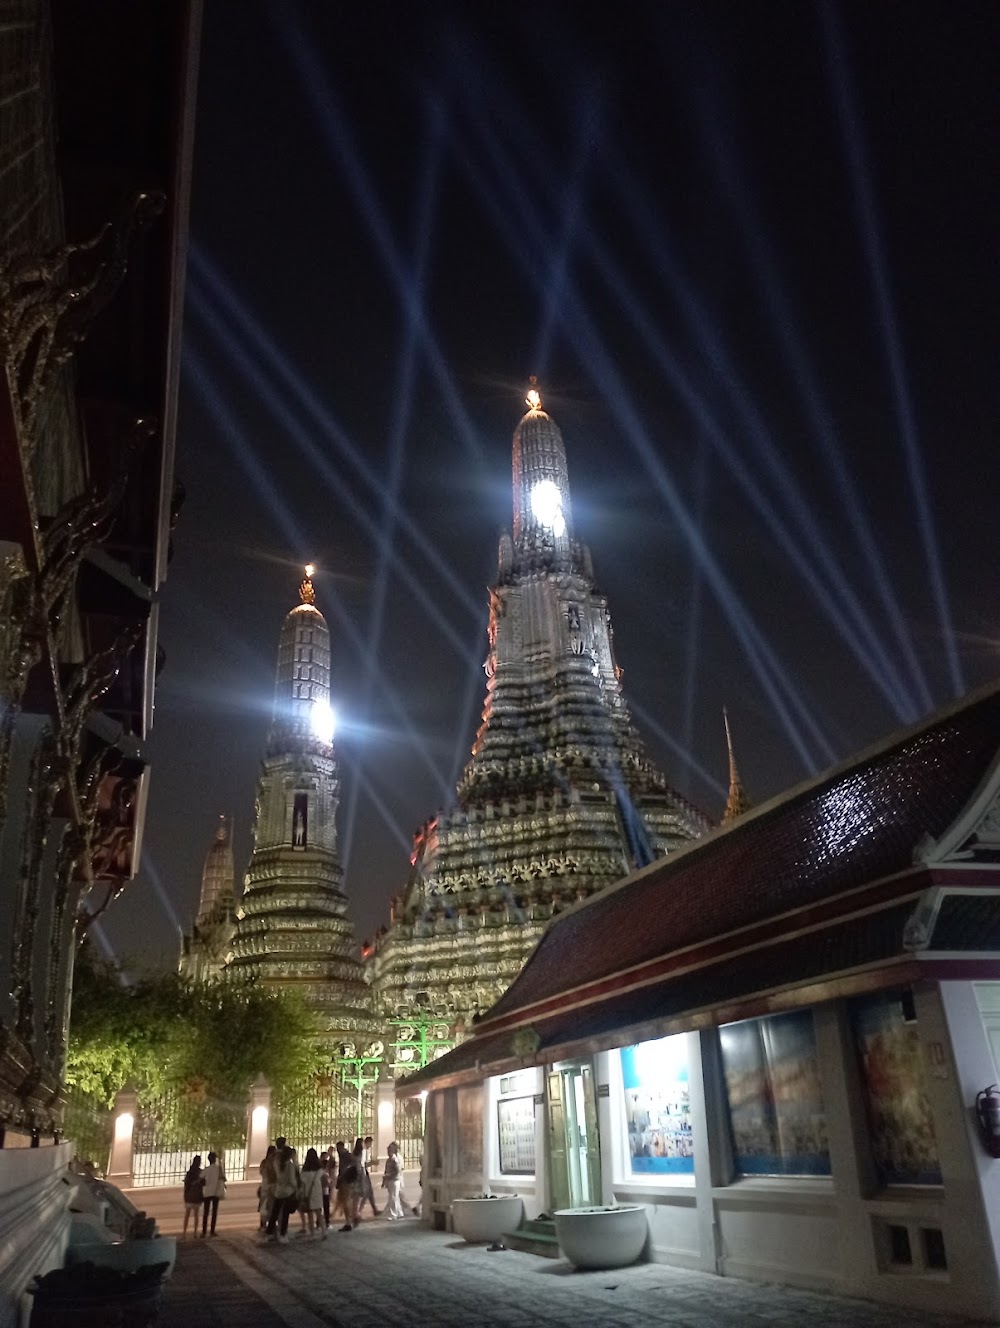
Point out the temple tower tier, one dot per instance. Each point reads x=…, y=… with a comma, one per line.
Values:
x=292, y=928
x=559, y=798
x=205, y=949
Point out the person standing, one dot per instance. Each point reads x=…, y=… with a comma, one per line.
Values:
x=350, y=1183
x=345, y=1166
x=213, y=1190
x=326, y=1183
x=392, y=1183
x=311, y=1191
x=286, y=1188
x=265, y=1190
x=193, y=1185
x=367, y=1193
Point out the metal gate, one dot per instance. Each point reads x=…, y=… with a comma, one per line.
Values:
x=172, y=1128
x=324, y=1114
x=410, y=1131
x=88, y=1125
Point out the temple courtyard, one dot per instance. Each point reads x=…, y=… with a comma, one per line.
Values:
x=404, y=1274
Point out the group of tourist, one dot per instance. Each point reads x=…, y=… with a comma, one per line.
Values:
x=327, y=1184
x=203, y=1188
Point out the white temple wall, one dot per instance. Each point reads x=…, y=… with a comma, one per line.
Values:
x=525, y=1088
x=838, y=1232
x=34, y=1222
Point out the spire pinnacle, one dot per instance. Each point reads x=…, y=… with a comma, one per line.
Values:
x=737, y=803
x=306, y=592
x=534, y=398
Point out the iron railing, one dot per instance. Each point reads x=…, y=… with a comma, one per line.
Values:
x=89, y=1125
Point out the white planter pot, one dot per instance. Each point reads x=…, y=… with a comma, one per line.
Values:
x=486, y=1219
x=602, y=1237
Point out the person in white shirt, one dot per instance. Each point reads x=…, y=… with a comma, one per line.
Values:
x=392, y=1183
x=213, y=1190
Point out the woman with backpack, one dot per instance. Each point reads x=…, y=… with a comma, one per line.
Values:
x=349, y=1185
x=194, y=1182
x=285, y=1191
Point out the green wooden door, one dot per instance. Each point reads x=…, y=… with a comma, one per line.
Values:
x=558, y=1169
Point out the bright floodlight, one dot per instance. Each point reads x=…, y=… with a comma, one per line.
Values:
x=546, y=506
x=322, y=721
x=310, y=568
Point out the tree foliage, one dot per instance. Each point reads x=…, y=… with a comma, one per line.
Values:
x=196, y=1046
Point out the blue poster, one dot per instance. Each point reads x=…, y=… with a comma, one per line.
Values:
x=658, y=1107
x=776, y=1114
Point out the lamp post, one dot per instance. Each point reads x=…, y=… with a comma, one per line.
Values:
x=359, y=1072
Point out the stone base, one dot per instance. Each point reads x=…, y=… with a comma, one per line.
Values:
x=34, y=1223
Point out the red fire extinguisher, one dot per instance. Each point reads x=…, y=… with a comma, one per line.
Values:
x=988, y=1111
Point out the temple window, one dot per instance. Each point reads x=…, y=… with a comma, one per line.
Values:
x=900, y=1125
x=658, y=1107
x=776, y=1112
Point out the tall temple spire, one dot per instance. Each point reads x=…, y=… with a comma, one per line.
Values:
x=737, y=802
x=205, y=949
x=218, y=879
x=543, y=517
x=292, y=927
x=559, y=798
x=302, y=710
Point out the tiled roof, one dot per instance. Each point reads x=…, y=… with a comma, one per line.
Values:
x=851, y=828
x=858, y=823
x=850, y=947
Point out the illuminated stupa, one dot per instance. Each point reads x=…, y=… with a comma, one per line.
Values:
x=292, y=928
x=204, y=951
x=559, y=798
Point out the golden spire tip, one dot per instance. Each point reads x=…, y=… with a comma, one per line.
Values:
x=534, y=398
x=306, y=592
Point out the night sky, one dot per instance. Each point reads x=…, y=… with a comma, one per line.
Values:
x=750, y=250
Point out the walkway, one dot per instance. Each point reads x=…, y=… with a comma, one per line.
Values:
x=401, y=1275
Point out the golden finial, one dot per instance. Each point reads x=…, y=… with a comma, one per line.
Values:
x=534, y=398
x=737, y=802
x=306, y=592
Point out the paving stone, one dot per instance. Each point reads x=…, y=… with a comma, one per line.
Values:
x=402, y=1276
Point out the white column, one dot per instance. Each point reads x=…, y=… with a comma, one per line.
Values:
x=120, y=1167
x=385, y=1117
x=972, y=1178
x=258, y=1125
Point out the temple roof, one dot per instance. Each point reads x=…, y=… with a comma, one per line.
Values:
x=823, y=880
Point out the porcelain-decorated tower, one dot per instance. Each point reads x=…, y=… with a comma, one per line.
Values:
x=292, y=927
x=205, y=950
x=559, y=798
